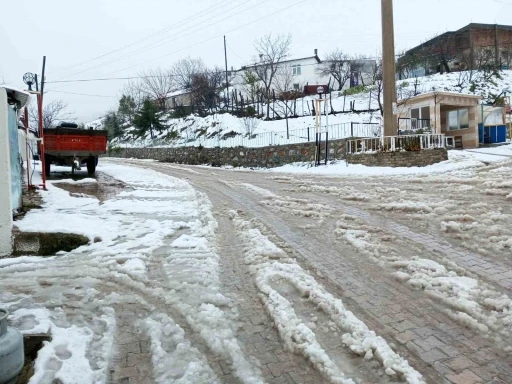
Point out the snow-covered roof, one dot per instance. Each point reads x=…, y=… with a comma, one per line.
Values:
x=446, y=94
x=21, y=96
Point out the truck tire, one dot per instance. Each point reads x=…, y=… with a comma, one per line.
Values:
x=47, y=165
x=91, y=165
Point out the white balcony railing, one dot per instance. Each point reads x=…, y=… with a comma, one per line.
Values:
x=399, y=143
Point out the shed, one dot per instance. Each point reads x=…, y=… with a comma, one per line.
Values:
x=449, y=113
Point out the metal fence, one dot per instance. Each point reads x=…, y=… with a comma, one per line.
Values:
x=264, y=139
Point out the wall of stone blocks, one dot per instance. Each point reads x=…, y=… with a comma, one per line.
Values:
x=267, y=157
x=399, y=159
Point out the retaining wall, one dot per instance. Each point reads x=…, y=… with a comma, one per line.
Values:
x=399, y=159
x=272, y=156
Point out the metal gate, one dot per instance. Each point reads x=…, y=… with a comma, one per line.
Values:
x=12, y=125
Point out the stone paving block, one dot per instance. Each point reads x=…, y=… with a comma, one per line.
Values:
x=433, y=356
x=277, y=369
x=406, y=336
x=403, y=325
x=466, y=377
x=460, y=363
x=442, y=369
x=430, y=343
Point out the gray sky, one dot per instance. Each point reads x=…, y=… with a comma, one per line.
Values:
x=73, y=34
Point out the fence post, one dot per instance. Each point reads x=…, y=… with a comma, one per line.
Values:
x=351, y=129
x=326, y=147
x=308, y=135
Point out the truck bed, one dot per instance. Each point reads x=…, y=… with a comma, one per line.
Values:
x=75, y=142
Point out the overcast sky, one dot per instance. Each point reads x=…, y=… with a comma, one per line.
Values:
x=87, y=39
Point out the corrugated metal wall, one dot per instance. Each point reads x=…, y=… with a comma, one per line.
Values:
x=14, y=158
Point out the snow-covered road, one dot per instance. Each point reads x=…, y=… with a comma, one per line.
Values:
x=206, y=275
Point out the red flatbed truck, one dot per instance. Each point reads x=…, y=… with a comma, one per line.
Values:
x=68, y=145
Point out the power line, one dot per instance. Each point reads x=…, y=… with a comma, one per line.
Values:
x=214, y=37
x=159, y=32
x=169, y=39
x=80, y=94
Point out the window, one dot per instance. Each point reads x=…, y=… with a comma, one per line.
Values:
x=296, y=86
x=458, y=119
x=296, y=69
x=420, y=117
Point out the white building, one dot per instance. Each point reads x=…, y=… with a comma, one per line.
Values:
x=304, y=71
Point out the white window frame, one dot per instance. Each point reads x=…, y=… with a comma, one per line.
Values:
x=296, y=69
x=459, y=118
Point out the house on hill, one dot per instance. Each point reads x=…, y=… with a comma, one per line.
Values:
x=304, y=71
x=475, y=46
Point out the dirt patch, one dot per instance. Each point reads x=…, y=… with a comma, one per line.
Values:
x=31, y=345
x=105, y=188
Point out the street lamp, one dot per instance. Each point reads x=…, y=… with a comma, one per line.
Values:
x=29, y=79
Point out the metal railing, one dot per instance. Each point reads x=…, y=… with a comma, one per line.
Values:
x=412, y=124
x=399, y=143
x=264, y=139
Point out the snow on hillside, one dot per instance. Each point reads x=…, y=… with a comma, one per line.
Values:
x=225, y=129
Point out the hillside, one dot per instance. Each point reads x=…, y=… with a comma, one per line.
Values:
x=226, y=129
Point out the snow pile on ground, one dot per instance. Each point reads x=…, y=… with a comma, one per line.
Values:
x=457, y=160
x=469, y=301
x=261, y=254
x=174, y=358
x=475, y=304
x=157, y=221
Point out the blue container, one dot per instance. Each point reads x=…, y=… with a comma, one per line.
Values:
x=12, y=356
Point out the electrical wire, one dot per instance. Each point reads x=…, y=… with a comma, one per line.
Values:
x=214, y=37
x=80, y=94
x=159, y=32
x=166, y=40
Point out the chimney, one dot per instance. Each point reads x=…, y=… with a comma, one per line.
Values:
x=316, y=52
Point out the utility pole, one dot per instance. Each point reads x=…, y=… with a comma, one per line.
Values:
x=388, y=67
x=226, y=93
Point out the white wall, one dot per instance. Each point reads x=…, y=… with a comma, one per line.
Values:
x=5, y=177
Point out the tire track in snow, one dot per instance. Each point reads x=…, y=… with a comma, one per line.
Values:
x=260, y=253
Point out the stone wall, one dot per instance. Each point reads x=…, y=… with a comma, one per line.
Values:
x=272, y=156
x=399, y=159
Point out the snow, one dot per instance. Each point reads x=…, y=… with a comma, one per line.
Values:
x=174, y=358
x=300, y=338
x=157, y=216
x=457, y=160
x=71, y=181
x=194, y=130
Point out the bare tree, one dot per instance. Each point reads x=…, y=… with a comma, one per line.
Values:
x=337, y=65
x=205, y=88
x=133, y=89
x=377, y=89
x=156, y=84
x=284, y=82
x=249, y=124
x=53, y=113
x=271, y=52
x=184, y=70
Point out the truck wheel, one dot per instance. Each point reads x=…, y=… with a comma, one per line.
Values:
x=47, y=165
x=91, y=165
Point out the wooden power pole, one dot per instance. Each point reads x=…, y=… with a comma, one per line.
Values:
x=388, y=67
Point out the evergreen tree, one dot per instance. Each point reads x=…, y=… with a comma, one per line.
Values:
x=113, y=125
x=127, y=108
x=147, y=119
